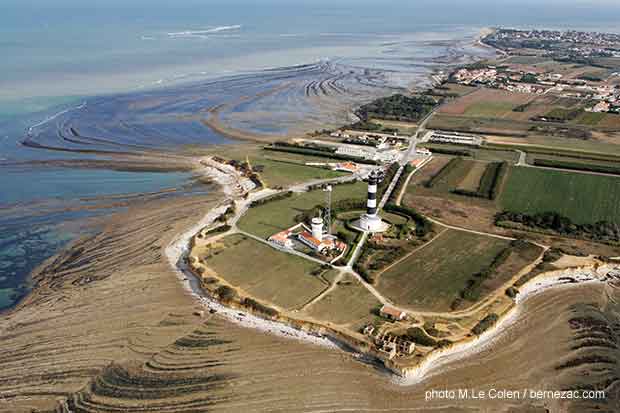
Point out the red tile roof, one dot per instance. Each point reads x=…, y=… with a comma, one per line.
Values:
x=391, y=311
x=308, y=237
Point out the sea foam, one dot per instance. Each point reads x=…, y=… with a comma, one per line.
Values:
x=204, y=32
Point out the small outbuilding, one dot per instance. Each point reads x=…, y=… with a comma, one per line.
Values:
x=392, y=313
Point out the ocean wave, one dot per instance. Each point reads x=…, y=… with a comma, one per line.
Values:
x=204, y=32
x=54, y=116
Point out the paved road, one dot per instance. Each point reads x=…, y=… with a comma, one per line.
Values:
x=406, y=184
x=243, y=205
x=357, y=251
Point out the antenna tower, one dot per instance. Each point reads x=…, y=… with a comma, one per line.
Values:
x=328, y=208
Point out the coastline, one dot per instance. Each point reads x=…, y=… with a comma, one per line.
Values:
x=178, y=250
x=484, y=33
x=544, y=282
x=176, y=253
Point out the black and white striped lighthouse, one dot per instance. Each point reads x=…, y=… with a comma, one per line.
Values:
x=370, y=221
x=371, y=203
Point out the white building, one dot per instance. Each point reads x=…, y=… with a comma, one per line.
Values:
x=456, y=138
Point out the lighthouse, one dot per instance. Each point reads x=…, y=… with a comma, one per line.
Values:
x=317, y=228
x=371, y=202
x=370, y=221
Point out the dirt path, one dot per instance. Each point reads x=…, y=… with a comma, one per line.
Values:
x=323, y=293
x=471, y=231
x=421, y=247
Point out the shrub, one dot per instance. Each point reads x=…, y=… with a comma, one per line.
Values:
x=217, y=230
x=260, y=308
x=419, y=336
x=577, y=166
x=226, y=293
x=484, y=324
x=423, y=225
x=603, y=231
x=473, y=287
x=512, y=292
x=401, y=181
x=455, y=152
x=397, y=107
x=383, y=185
x=275, y=197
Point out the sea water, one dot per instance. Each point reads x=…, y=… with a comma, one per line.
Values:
x=87, y=64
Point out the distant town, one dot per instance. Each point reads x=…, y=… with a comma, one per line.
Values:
x=542, y=62
x=559, y=44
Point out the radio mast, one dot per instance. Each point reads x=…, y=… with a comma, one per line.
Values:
x=328, y=208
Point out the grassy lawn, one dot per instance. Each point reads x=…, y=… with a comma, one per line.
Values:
x=562, y=113
x=569, y=146
x=478, y=125
x=265, y=273
x=532, y=156
x=479, y=154
x=432, y=278
x=455, y=176
x=496, y=155
x=584, y=198
x=590, y=118
x=403, y=127
x=348, y=303
x=282, y=173
x=471, y=181
x=527, y=60
x=280, y=169
x=275, y=216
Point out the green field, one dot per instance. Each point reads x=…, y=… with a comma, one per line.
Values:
x=453, y=178
x=531, y=157
x=282, y=173
x=527, y=60
x=265, y=273
x=590, y=118
x=275, y=216
x=584, y=198
x=479, y=125
x=348, y=303
x=480, y=154
x=433, y=277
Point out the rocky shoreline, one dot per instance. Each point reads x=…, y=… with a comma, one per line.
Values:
x=567, y=278
x=177, y=253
